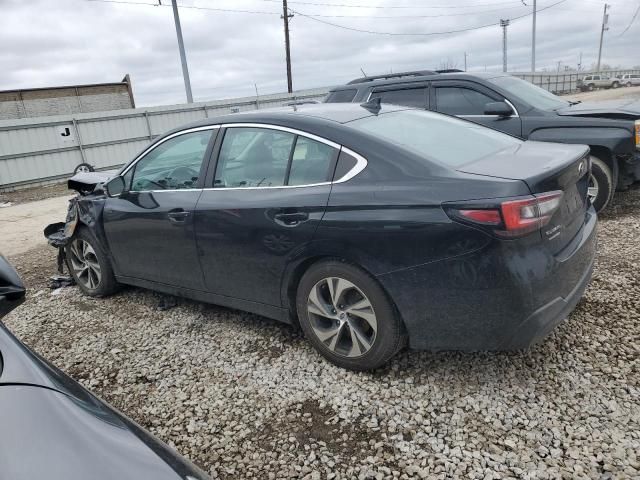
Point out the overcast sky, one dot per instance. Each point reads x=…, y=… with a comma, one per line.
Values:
x=62, y=42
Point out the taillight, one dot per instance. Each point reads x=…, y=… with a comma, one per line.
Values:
x=637, y=122
x=513, y=218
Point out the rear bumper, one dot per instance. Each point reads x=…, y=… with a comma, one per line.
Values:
x=504, y=297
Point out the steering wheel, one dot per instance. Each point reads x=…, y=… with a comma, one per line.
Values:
x=184, y=173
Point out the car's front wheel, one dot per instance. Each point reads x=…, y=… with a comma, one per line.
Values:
x=615, y=85
x=89, y=265
x=628, y=84
x=347, y=316
x=601, y=186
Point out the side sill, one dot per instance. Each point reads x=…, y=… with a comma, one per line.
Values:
x=269, y=311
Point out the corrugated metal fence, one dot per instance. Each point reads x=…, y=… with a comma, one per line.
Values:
x=42, y=150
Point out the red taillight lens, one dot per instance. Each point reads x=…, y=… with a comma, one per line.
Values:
x=486, y=217
x=515, y=218
x=529, y=214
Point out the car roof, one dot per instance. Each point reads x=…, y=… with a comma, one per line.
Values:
x=312, y=113
x=414, y=77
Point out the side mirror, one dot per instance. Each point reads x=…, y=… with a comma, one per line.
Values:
x=501, y=109
x=115, y=186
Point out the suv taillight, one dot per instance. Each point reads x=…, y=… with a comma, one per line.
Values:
x=637, y=123
x=512, y=218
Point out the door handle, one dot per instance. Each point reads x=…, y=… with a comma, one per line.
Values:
x=291, y=219
x=177, y=215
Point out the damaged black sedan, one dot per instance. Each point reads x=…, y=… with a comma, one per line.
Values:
x=369, y=227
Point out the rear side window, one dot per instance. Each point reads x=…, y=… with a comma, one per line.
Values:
x=587, y=78
x=461, y=101
x=408, y=97
x=445, y=140
x=263, y=157
x=341, y=96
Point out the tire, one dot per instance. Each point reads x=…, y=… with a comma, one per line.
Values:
x=381, y=334
x=591, y=87
x=628, y=84
x=600, y=184
x=83, y=167
x=615, y=85
x=89, y=265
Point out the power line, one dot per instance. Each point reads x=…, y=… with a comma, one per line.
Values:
x=420, y=34
x=194, y=7
x=395, y=6
x=633, y=19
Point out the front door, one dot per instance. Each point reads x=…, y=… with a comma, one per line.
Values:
x=150, y=227
x=467, y=100
x=266, y=198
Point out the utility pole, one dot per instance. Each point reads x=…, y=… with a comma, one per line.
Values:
x=504, y=24
x=286, y=16
x=533, y=39
x=605, y=23
x=465, y=61
x=183, y=56
x=580, y=62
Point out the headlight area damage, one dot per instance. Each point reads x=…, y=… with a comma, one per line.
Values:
x=84, y=209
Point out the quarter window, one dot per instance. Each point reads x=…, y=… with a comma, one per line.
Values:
x=460, y=101
x=261, y=157
x=173, y=165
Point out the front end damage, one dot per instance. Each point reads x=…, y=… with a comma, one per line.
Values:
x=85, y=209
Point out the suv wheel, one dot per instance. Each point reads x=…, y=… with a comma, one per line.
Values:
x=347, y=316
x=628, y=84
x=615, y=85
x=591, y=87
x=600, y=189
x=89, y=265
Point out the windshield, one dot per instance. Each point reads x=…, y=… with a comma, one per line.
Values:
x=527, y=92
x=440, y=138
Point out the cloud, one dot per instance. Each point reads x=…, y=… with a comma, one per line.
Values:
x=49, y=43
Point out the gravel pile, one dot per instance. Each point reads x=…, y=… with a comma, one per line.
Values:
x=246, y=397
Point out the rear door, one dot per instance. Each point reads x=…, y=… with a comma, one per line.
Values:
x=468, y=100
x=264, y=201
x=414, y=94
x=150, y=227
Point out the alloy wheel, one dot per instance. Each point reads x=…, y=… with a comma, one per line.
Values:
x=342, y=317
x=85, y=264
x=82, y=169
x=593, y=188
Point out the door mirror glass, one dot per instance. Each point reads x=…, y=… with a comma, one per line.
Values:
x=498, y=108
x=115, y=186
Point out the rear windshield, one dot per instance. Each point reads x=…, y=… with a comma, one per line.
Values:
x=436, y=137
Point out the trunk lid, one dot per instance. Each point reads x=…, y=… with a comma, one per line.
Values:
x=546, y=167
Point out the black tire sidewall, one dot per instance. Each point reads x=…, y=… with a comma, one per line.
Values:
x=603, y=175
x=389, y=335
x=108, y=283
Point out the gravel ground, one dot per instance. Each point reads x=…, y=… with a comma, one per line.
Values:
x=246, y=397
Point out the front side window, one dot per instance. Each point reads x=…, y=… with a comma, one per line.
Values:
x=529, y=93
x=460, y=101
x=262, y=157
x=173, y=165
x=408, y=97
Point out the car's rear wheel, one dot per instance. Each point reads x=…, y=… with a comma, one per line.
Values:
x=600, y=188
x=615, y=85
x=89, y=265
x=347, y=316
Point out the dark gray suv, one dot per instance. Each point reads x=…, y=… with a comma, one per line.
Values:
x=517, y=107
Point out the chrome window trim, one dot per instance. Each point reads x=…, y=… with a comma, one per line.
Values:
x=169, y=137
x=361, y=162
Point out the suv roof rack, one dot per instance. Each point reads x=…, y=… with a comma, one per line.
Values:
x=450, y=70
x=417, y=73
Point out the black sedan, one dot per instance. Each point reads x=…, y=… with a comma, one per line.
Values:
x=366, y=226
x=51, y=427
